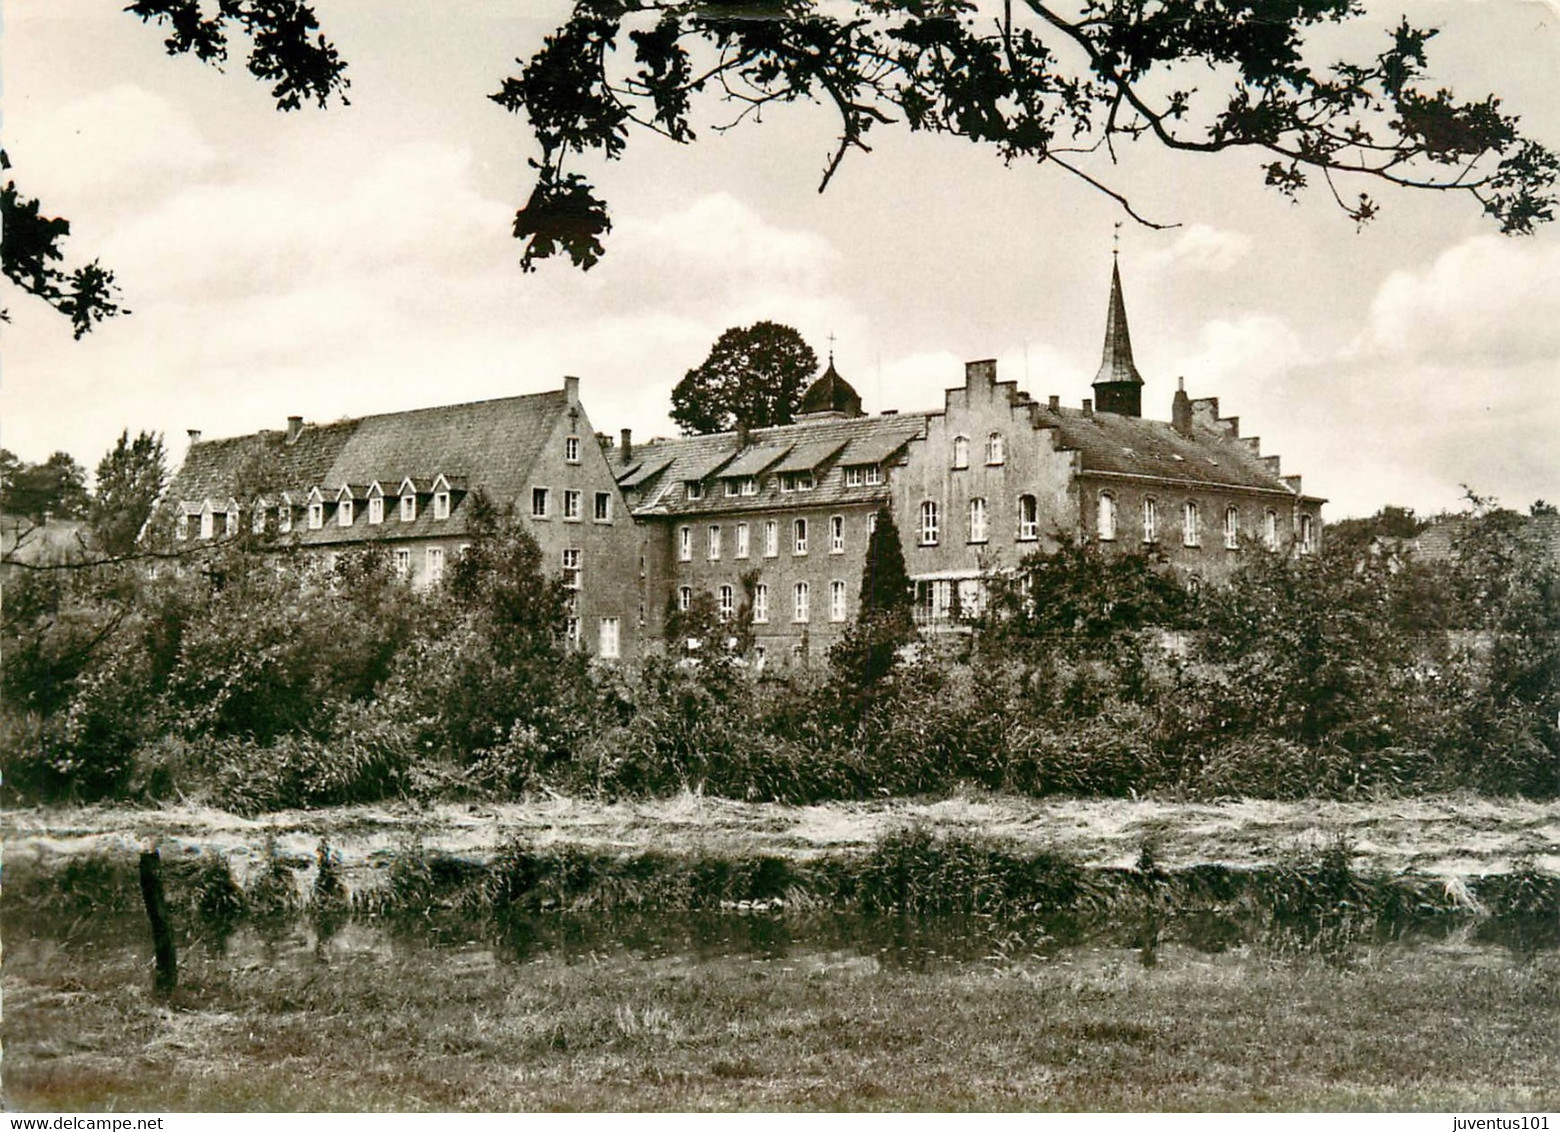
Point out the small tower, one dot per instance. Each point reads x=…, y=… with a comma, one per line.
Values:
x=829, y=396
x=1118, y=388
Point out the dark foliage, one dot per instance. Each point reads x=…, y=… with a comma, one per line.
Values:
x=1192, y=77
x=129, y=480
x=753, y=376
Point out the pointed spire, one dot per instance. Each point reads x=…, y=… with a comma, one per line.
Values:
x=1118, y=382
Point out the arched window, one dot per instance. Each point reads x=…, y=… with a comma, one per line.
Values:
x=1270, y=529
x=1307, y=534
x=1107, y=517
x=1150, y=520
x=1231, y=528
x=994, y=449
x=929, y=523
x=799, y=530
x=1028, y=518
x=961, y=452
x=977, y=520
x=800, y=611
x=1191, y=524
x=726, y=605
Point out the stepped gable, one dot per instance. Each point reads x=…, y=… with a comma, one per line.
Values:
x=824, y=444
x=1112, y=442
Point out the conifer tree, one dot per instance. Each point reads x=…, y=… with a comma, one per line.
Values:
x=884, y=624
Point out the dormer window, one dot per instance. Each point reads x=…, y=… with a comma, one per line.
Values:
x=961, y=452
x=863, y=475
x=344, y=513
x=749, y=485
x=732, y=488
x=441, y=506
x=316, y=514
x=376, y=510
x=994, y=449
x=693, y=489
x=208, y=522
x=181, y=527
x=796, y=481
x=571, y=449
x=230, y=521
x=257, y=518
x=284, y=516
x=408, y=507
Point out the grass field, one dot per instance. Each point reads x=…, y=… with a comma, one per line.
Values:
x=977, y=1014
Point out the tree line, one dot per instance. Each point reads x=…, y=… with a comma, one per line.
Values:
x=258, y=680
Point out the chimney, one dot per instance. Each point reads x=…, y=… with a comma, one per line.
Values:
x=744, y=435
x=294, y=429
x=1088, y=407
x=984, y=371
x=194, y=435
x=1053, y=402
x=1181, y=409
x=627, y=445
x=571, y=390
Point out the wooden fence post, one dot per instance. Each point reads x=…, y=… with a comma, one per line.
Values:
x=167, y=977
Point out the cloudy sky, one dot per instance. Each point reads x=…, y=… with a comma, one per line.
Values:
x=357, y=260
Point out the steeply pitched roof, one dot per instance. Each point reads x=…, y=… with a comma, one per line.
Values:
x=830, y=393
x=1114, y=443
x=492, y=444
x=662, y=493
x=1116, y=359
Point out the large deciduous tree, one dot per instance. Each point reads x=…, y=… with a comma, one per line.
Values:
x=1061, y=85
x=130, y=477
x=57, y=487
x=753, y=376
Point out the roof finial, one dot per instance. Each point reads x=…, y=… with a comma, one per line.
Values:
x=831, y=347
x=1115, y=242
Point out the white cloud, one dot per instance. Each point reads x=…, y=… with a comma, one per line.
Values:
x=1489, y=299
x=121, y=143
x=1238, y=353
x=1201, y=248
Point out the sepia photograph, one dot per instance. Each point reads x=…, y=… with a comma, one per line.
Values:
x=780, y=556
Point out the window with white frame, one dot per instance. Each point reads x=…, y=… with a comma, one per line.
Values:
x=344, y=513
x=257, y=518
x=1150, y=520
x=995, y=450
x=712, y=544
x=726, y=603
x=928, y=523
x=441, y=506
x=732, y=488
x=607, y=640
x=977, y=520
x=684, y=598
x=761, y=604
x=836, y=601
x=571, y=506
x=1270, y=530
x=1191, y=524
x=685, y=544
x=800, y=611
x=1231, y=528
x=571, y=449
x=376, y=511
x=742, y=540
x=403, y=563
x=408, y=507
x=538, y=503
x=1106, y=519
x=284, y=517
x=771, y=538
x=796, y=481
x=961, y=452
x=863, y=475
x=573, y=567
x=1028, y=518
x=837, y=534
x=435, y=565
x=603, y=512
x=316, y=519
x=749, y=485
x=1307, y=534
x=693, y=489
x=799, y=536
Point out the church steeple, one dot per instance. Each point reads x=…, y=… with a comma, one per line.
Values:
x=1118, y=388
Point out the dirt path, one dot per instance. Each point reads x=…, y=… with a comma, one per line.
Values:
x=1450, y=836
